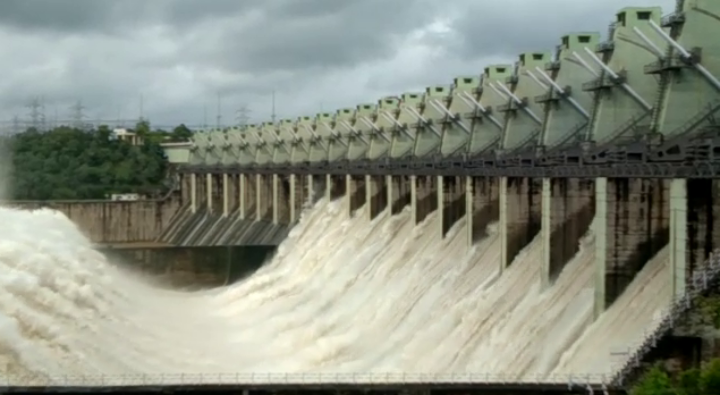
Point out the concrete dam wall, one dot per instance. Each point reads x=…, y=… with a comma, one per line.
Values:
x=121, y=223
x=540, y=221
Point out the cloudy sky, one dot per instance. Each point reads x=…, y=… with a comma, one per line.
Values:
x=176, y=57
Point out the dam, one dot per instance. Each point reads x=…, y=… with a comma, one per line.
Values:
x=536, y=226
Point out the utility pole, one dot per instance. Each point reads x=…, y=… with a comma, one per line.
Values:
x=242, y=116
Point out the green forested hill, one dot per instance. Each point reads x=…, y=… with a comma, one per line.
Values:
x=67, y=163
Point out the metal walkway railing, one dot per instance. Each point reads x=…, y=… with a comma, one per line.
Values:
x=699, y=284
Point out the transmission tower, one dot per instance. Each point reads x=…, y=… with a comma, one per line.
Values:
x=272, y=116
x=17, y=128
x=242, y=116
x=218, y=118
x=78, y=114
x=36, y=113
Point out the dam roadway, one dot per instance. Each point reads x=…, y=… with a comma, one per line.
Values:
x=618, y=134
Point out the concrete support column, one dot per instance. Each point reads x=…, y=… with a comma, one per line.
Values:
x=633, y=226
x=209, y=192
x=389, y=190
x=370, y=191
x=451, y=201
x=350, y=188
x=441, y=205
x=469, y=210
x=485, y=192
x=427, y=197
x=375, y=195
x=567, y=211
x=242, y=190
x=311, y=188
x=503, y=223
x=519, y=216
x=546, y=230
x=601, y=243
x=328, y=187
x=678, y=236
x=258, y=197
x=276, y=199
x=414, y=199
x=185, y=189
x=293, y=199
x=193, y=193
x=226, y=194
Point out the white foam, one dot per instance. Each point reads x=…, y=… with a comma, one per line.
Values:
x=340, y=295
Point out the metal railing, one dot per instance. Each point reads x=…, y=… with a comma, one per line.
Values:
x=292, y=379
x=700, y=282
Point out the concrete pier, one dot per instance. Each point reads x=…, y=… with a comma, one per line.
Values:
x=568, y=208
x=377, y=198
x=281, y=199
x=520, y=215
x=483, y=201
x=425, y=197
x=356, y=193
x=399, y=193
x=263, y=197
x=633, y=220
x=335, y=187
x=454, y=202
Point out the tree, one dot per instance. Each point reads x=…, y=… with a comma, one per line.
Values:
x=68, y=163
x=181, y=133
x=654, y=382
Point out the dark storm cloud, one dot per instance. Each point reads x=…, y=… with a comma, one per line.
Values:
x=319, y=34
x=57, y=15
x=517, y=27
x=256, y=36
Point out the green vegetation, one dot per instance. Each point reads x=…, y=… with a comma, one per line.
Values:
x=68, y=163
x=709, y=309
x=656, y=381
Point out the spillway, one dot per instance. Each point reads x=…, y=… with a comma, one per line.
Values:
x=341, y=295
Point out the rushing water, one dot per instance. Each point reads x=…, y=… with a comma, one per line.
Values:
x=341, y=295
